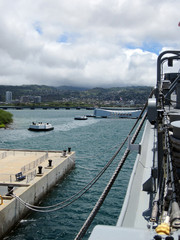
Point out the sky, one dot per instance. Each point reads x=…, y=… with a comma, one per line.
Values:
x=85, y=43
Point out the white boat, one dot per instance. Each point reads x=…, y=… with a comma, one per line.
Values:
x=40, y=126
x=81, y=118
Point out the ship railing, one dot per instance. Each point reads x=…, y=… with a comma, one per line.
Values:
x=13, y=153
x=34, y=164
x=5, y=177
x=30, y=176
x=3, y=155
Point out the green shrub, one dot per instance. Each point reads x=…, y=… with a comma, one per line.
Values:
x=5, y=118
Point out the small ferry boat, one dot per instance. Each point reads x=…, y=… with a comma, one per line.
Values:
x=40, y=126
x=81, y=118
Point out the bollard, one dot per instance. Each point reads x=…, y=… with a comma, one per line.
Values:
x=64, y=153
x=39, y=169
x=69, y=150
x=10, y=190
x=50, y=163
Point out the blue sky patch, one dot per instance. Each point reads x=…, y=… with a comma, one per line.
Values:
x=63, y=38
x=37, y=27
x=153, y=47
x=68, y=37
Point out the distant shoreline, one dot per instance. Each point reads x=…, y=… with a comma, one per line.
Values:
x=70, y=107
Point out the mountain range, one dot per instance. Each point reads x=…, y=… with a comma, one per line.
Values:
x=49, y=93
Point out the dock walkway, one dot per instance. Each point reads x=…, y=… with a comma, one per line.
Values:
x=41, y=171
x=12, y=162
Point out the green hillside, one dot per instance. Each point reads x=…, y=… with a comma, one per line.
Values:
x=78, y=95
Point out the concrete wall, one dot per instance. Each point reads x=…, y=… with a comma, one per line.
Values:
x=12, y=211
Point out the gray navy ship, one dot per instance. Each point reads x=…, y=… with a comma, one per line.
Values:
x=151, y=209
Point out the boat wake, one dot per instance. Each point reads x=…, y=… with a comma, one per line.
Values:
x=27, y=220
x=74, y=124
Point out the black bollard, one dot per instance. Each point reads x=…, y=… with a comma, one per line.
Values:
x=64, y=153
x=69, y=150
x=50, y=163
x=39, y=169
x=10, y=190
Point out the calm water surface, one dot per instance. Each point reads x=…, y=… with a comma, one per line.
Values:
x=95, y=141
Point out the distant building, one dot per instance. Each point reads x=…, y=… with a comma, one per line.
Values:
x=8, y=97
x=30, y=99
x=24, y=99
x=131, y=102
x=37, y=99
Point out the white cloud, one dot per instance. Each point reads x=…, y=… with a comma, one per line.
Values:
x=85, y=43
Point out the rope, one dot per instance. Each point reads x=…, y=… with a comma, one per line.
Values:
x=113, y=178
x=88, y=186
x=81, y=192
x=108, y=186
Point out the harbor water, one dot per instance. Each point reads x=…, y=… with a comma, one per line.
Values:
x=95, y=141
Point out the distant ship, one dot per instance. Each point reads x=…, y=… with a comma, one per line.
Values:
x=81, y=118
x=40, y=127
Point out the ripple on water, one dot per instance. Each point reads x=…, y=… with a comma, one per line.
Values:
x=95, y=141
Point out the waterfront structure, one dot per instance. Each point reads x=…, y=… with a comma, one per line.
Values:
x=104, y=113
x=26, y=176
x=8, y=97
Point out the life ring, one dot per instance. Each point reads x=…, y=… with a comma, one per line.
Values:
x=1, y=203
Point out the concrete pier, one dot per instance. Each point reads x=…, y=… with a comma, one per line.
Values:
x=41, y=170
